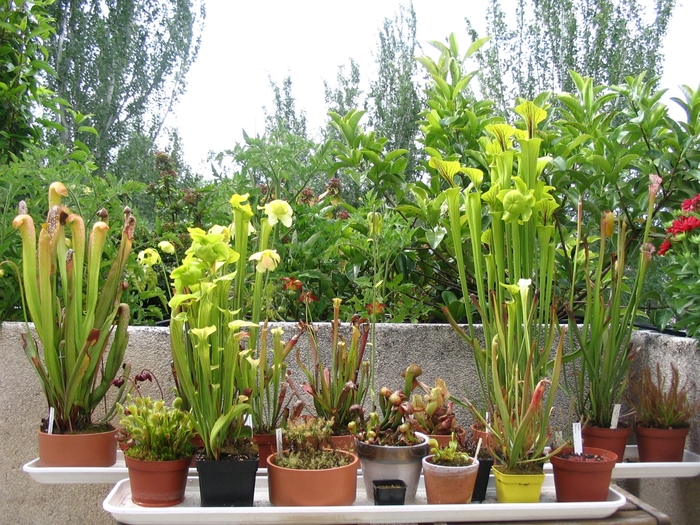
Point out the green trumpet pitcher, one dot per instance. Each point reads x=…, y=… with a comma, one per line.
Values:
x=79, y=322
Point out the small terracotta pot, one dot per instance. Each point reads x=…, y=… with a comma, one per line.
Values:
x=311, y=488
x=580, y=479
x=267, y=444
x=661, y=444
x=444, y=439
x=451, y=485
x=157, y=483
x=487, y=441
x=78, y=450
x=345, y=442
x=612, y=439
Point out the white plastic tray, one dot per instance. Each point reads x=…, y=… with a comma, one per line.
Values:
x=631, y=468
x=118, y=503
x=111, y=475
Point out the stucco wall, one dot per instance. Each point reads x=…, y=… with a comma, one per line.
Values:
x=434, y=347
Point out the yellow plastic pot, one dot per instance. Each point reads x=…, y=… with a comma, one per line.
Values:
x=518, y=488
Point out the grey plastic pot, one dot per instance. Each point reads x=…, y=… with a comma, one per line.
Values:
x=383, y=462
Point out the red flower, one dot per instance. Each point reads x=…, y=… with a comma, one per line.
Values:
x=343, y=215
x=682, y=224
x=665, y=246
x=307, y=297
x=290, y=283
x=691, y=204
x=379, y=307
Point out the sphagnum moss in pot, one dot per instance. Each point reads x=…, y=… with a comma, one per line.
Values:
x=389, y=446
x=449, y=473
x=81, y=326
x=311, y=472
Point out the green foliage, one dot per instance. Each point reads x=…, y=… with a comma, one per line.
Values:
x=24, y=27
x=154, y=431
x=682, y=267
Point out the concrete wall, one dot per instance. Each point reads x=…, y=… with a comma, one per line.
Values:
x=434, y=347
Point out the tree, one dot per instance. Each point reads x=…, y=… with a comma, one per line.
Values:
x=285, y=116
x=346, y=95
x=394, y=101
x=124, y=62
x=606, y=40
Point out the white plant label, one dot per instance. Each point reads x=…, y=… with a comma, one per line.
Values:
x=478, y=448
x=578, y=442
x=615, y=416
x=278, y=439
x=51, y=412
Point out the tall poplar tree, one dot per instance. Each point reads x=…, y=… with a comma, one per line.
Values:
x=394, y=99
x=124, y=62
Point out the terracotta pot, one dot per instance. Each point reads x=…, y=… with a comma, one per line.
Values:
x=478, y=431
x=581, y=479
x=517, y=488
x=444, y=439
x=312, y=488
x=78, y=450
x=661, y=444
x=453, y=485
x=267, y=444
x=612, y=439
x=384, y=462
x=157, y=483
x=345, y=442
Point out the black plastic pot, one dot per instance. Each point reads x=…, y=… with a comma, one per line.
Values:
x=227, y=483
x=482, y=480
x=389, y=491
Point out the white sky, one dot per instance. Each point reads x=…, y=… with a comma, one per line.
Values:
x=244, y=42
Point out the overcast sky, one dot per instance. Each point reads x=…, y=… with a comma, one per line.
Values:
x=244, y=43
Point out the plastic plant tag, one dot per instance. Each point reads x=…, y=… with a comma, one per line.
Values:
x=50, y=429
x=578, y=443
x=615, y=416
x=478, y=447
x=278, y=440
